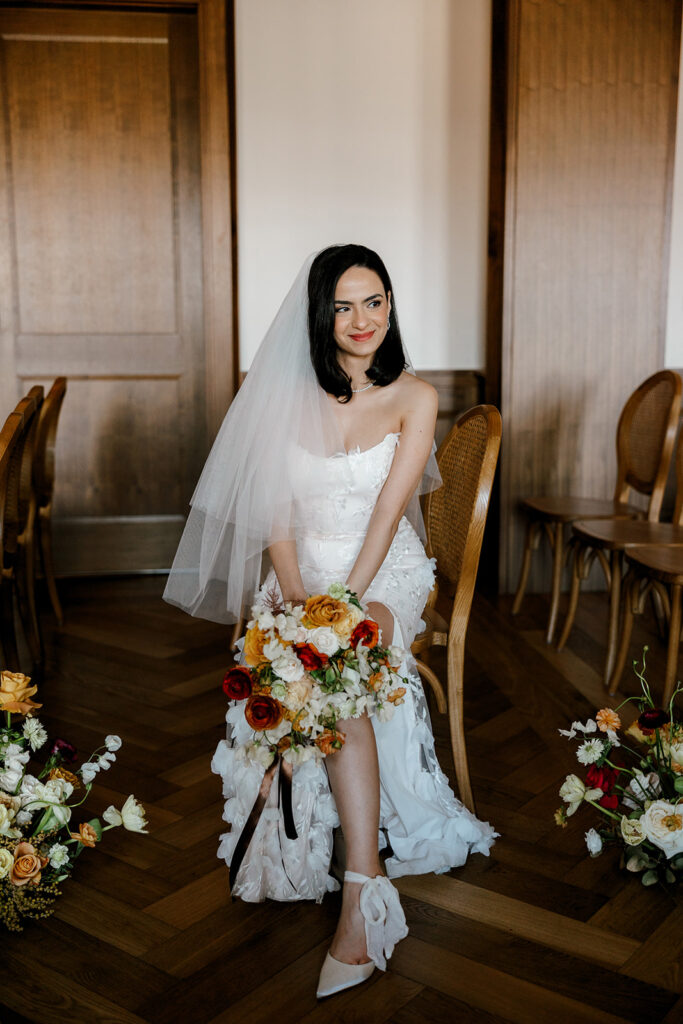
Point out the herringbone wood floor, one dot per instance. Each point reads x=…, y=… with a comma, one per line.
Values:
x=147, y=931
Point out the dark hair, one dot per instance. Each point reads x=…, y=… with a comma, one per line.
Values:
x=326, y=269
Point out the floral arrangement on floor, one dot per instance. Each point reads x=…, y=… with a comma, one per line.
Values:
x=38, y=841
x=642, y=801
x=308, y=667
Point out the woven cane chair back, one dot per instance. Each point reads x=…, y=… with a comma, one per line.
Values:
x=10, y=438
x=455, y=514
x=645, y=439
x=19, y=496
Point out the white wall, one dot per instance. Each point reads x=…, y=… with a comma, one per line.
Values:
x=367, y=121
x=674, y=323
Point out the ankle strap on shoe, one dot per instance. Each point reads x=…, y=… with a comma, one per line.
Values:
x=354, y=876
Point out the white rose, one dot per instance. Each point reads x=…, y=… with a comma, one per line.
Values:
x=10, y=778
x=288, y=667
x=632, y=831
x=113, y=743
x=573, y=792
x=663, y=825
x=34, y=733
x=6, y=862
x=298, y=755
x=23, y=817
x=593, y=842
x=324, y=640
x=260, y=755
x=297, y=694
x=58, y=856
x=28, y=786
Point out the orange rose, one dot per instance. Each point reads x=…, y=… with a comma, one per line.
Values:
x=254, y=642
x=15, y=693
x=330, y=741
x=323, y=610
x=27, y=866
x=263, y=713
x=86, y=834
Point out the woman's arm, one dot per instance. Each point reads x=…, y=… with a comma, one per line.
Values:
x=417, y=436
x=286, y=564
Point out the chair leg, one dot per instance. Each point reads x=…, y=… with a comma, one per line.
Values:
x=45, y=534
x=558, y=563
x=576, y=576
x=7, y=625
x=24, y=581
x=613, y=625
x=533, y=535
x=661, y=612
x=456, y=657
x=427, y=673
x=236, y=634
x=674, y=642
x=630, y=603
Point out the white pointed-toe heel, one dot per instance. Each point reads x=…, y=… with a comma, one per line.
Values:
x=335, y=976
x=385, y=925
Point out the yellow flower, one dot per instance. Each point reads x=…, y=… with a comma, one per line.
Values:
x=253, y=646
x=15, y=693
x=561, y=817
x=323, y=610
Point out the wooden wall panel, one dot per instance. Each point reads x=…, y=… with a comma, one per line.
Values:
x=591, y=106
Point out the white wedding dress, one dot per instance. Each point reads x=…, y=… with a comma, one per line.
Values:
x=420, y=818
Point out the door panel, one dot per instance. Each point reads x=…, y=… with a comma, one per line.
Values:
x=103, y=269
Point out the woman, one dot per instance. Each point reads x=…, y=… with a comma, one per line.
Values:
x=320, y=460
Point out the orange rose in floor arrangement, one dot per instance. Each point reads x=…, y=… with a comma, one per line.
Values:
x=27, y=865
x=16, y=693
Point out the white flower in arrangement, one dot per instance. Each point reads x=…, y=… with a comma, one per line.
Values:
x=23, y=817
x=10, y=778
x=289, y=628
x=396, y=655
x=339, y=591
x=296, y=755
x=593, y=842
x=260, y=755
x=324, y=640
x=640, y=789
x=7, y=816
x=632, y=831
x=288, y=667
x=265, y=619
x=573, y=792
x=274, y=649
x=385, y=713
x=58, y=855
x=105, y=760
x=15, y=756
x=28, y=785
x=350, y=674
x=279, y=691
x=89, y=770
x=131, y=815
x=6, y=862
x=663, y=825
x=34, y=733
x=590, y=726
x=53, y=794
x=297, y=693
x=112, y=743
x=590, y=751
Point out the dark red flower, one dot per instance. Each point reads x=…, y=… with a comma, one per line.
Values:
x=604, y=778
x=366, y=633
x=263, y=712
x=310, y=657
x=652, y=719
x=64, y=750
x=237, y=683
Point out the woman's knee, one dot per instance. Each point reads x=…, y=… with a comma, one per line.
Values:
x=384, y=619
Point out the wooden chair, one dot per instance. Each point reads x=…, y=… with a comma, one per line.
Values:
x=607, y=539
x=18, y=567
x=658, y=568
x=645, y=438
x=10, y=438
x=43, y=482
x=455, y=516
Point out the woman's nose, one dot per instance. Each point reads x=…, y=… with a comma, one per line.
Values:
x=360, y=318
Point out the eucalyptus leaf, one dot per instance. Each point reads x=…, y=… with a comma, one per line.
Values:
x=670, y=876
x=649, y=878
x=678, y=784
x=96, y=825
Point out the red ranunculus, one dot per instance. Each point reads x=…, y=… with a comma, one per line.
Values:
x=604, y=778
x=366, y=633
x=263, y=712
x=652, y=719
x=237, y=683
x=310, y=657
x=64, y=750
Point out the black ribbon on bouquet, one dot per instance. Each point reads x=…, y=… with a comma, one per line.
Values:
x=284, y=801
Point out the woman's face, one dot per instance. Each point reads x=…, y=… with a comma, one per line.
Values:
x=361, y=311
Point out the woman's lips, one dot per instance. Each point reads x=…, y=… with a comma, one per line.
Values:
x=362, y=337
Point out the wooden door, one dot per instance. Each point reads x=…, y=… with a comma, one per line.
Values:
x=101, y=276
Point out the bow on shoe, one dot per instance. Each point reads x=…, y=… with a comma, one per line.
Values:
x=385, y=922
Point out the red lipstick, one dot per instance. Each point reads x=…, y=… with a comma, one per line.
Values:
x=362, y=337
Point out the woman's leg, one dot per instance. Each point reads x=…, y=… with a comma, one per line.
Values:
x=354, y=779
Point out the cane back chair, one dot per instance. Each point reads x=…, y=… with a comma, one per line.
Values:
x=644, y=442
x=44, y=481
x=455, y=516
x=10, y=437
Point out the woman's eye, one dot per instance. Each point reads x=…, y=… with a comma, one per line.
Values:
x=341, y=309
x=375, y=303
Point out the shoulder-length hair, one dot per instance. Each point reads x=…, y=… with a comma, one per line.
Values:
x=326, y=269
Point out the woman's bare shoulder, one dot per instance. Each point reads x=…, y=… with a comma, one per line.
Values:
x=418, y=393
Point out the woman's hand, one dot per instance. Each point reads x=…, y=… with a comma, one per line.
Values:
x=286, y=564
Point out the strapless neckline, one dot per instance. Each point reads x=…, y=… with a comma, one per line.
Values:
x=357, y=450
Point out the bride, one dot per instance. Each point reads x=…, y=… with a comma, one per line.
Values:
x=318, y=464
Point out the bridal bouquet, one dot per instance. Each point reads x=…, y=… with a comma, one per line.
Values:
x=308, y=667
x=39, y=842
x=642, y=800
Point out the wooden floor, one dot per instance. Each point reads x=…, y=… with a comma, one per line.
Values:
x=539, y=932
